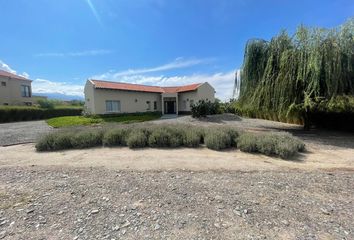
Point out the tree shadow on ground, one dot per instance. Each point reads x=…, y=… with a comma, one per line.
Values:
x=220, y=118
x=329, y=138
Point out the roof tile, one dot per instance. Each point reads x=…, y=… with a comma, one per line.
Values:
x=11, y=75
x=143, y=88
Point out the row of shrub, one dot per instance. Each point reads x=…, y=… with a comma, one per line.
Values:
x=283, y=145
x=13, y=114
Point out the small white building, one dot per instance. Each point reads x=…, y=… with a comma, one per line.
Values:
x=104, y=97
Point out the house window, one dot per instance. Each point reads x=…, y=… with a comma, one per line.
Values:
x=148, y=105
x=112, y=106
x=25, y=91
x=155, y=105
x=191, y=102
x=184, y=104
x=3, y=84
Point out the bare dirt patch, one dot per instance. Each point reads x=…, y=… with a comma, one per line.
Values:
x=200, y=159
x=84, y=203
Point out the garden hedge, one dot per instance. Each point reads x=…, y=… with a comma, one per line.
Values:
x=282, y=145
x=15, y=114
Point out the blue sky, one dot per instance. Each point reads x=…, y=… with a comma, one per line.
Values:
x=60, y=44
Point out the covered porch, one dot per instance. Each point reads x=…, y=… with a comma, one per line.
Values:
x=169, y=103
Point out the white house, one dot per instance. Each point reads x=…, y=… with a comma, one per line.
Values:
x=104, y=97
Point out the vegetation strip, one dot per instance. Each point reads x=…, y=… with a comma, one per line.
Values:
x=279, y=144
x=89, y=120
x=17, y=113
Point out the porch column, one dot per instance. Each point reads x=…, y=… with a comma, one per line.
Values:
x=177, y=103
x=162, y=105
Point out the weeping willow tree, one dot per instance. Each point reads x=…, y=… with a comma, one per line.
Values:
x=290, y=77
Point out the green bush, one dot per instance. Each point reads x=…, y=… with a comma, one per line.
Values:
x=192, y=138
x=291, y=140
x=247, y=143
x=285, y=150
x=13, y=114
x=217, y=140
x=283, y=145
x=232, y=133
x=86, y=139
x=203, y=108
x=137, y=139
x=166, y=137
x=55, y=141
x=116, y=137
x=45, y=103
x=221, y=138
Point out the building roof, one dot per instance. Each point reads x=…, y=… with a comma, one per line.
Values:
x=11, y=75
x=143, y=88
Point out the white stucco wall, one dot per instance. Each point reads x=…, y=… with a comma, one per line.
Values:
x=11, y=93
x=204, y=92
x=184, y=100
x=130, y=101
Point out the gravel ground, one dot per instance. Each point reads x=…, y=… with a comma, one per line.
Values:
x=22, y=132
x=68, y=203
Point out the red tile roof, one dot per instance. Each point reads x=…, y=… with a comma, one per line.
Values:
x=143, y=88
x=11, y=75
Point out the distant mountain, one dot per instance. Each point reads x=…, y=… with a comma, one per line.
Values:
x=59, y=96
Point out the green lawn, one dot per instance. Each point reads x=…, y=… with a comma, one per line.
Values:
x=80, y=120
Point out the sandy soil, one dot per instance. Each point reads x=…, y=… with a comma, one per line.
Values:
x=174, y=159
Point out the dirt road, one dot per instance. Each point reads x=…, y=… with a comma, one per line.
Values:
x=200, y=159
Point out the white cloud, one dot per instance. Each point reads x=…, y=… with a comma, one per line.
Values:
x=177, y=63
x=24, y=74
x=7, y=68
x=75, y=54
x=46, y=86
x=223, y=82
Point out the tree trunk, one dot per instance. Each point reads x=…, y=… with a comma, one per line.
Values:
x=307, y=122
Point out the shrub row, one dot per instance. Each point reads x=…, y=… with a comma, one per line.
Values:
x=13, y=114
x=283, y=145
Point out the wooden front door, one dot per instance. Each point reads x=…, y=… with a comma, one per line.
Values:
x=170, y=107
